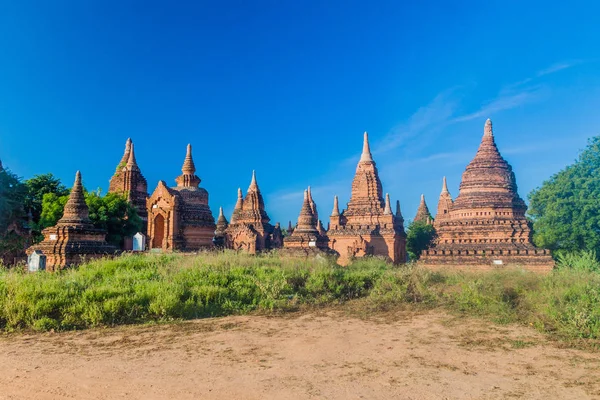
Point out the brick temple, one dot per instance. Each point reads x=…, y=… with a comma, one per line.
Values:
x=485, y=227
x=179, y=217
x=308, y=233
x=249, y=227
x=367, y=226
x=74, y=239
x=129, y=181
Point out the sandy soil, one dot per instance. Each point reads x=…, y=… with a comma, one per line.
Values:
x=305, y=356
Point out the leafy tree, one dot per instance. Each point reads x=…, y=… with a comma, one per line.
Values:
x=419, y=237
x=12, y=194
x=112, y=213
x=37, y=187
x=12, y=216
x=566, y=208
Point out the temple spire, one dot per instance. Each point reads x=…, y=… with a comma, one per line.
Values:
x=398, y=211
x=487, y=130
x=366, y=153
x=131, y=161
x=253, y=183
x=388, y=206
x=336, y=208
x=76, y=210
x=125, y=157
x=240, y=200
x=423, y=213
x=445, y=187
x=188, y=164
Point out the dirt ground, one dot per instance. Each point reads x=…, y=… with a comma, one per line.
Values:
x=304, y=356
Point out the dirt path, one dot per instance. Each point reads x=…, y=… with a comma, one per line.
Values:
x=328, y=356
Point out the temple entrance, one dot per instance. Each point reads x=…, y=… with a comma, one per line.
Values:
x=159, y=232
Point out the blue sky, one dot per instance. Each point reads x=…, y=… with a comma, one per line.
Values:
x=288, y=87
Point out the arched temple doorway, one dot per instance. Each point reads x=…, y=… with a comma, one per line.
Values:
x=159, y=232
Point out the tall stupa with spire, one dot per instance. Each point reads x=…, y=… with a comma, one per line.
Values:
x=179, y=217
x=74, y=239
x=485, y=227
x=129, y=181
x=308, y=233
x=249, y=228
x=367, y=226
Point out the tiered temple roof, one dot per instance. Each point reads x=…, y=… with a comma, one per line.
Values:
x=486, y=226
x=179, y=217
x=74, y=238
x=367, y=226
x=250, y=228
x=129, y=181
x=307, y=233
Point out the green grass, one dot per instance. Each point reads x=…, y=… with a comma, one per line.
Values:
x=145, y=288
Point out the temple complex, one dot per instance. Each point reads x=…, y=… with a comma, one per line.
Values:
x=129, y=181
x=179, y=217
x=249, y=228
x=485, y=227
x=307, y=234
x=367, y=226
x=74, y=238
x=423, y=214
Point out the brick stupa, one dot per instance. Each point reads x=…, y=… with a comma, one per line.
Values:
x=367, y=226
x=249, y=228
x=423, y=215
x=222, y=224
x=179, y=217
x=129, y=181
x=74, y=238
x=307, y=234
x=485, y=227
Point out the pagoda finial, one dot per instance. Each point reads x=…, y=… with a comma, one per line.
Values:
x=125, y=157
x=76, y=210
x=188, y=164
x=444, y=186
x=290, y=227
x=398, y=211
x=253, y=183
x=487, y=130
x=131, y=161
x=366, y=153
x=388, y=206
x=240, y=200
x=221, y=212
x=336, y=208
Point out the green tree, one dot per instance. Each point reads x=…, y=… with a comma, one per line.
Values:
x=12, y=216
x=566, y=208
x=37, y=187
x=112, y=213
x=419, y=237
x=12, y=195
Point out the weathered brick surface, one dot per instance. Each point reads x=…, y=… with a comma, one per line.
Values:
x=367, y=226
x=179, y=217
x=73, y=239
x=249, y=228
x=129, y=181
x=485, y=227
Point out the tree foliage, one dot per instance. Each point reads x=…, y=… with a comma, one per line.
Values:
x=419, y=237
x=566, y=208
x=37, y=187
x=112, y=213
x=12, y=194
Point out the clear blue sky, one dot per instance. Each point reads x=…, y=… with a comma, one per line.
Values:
x=288, y=88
